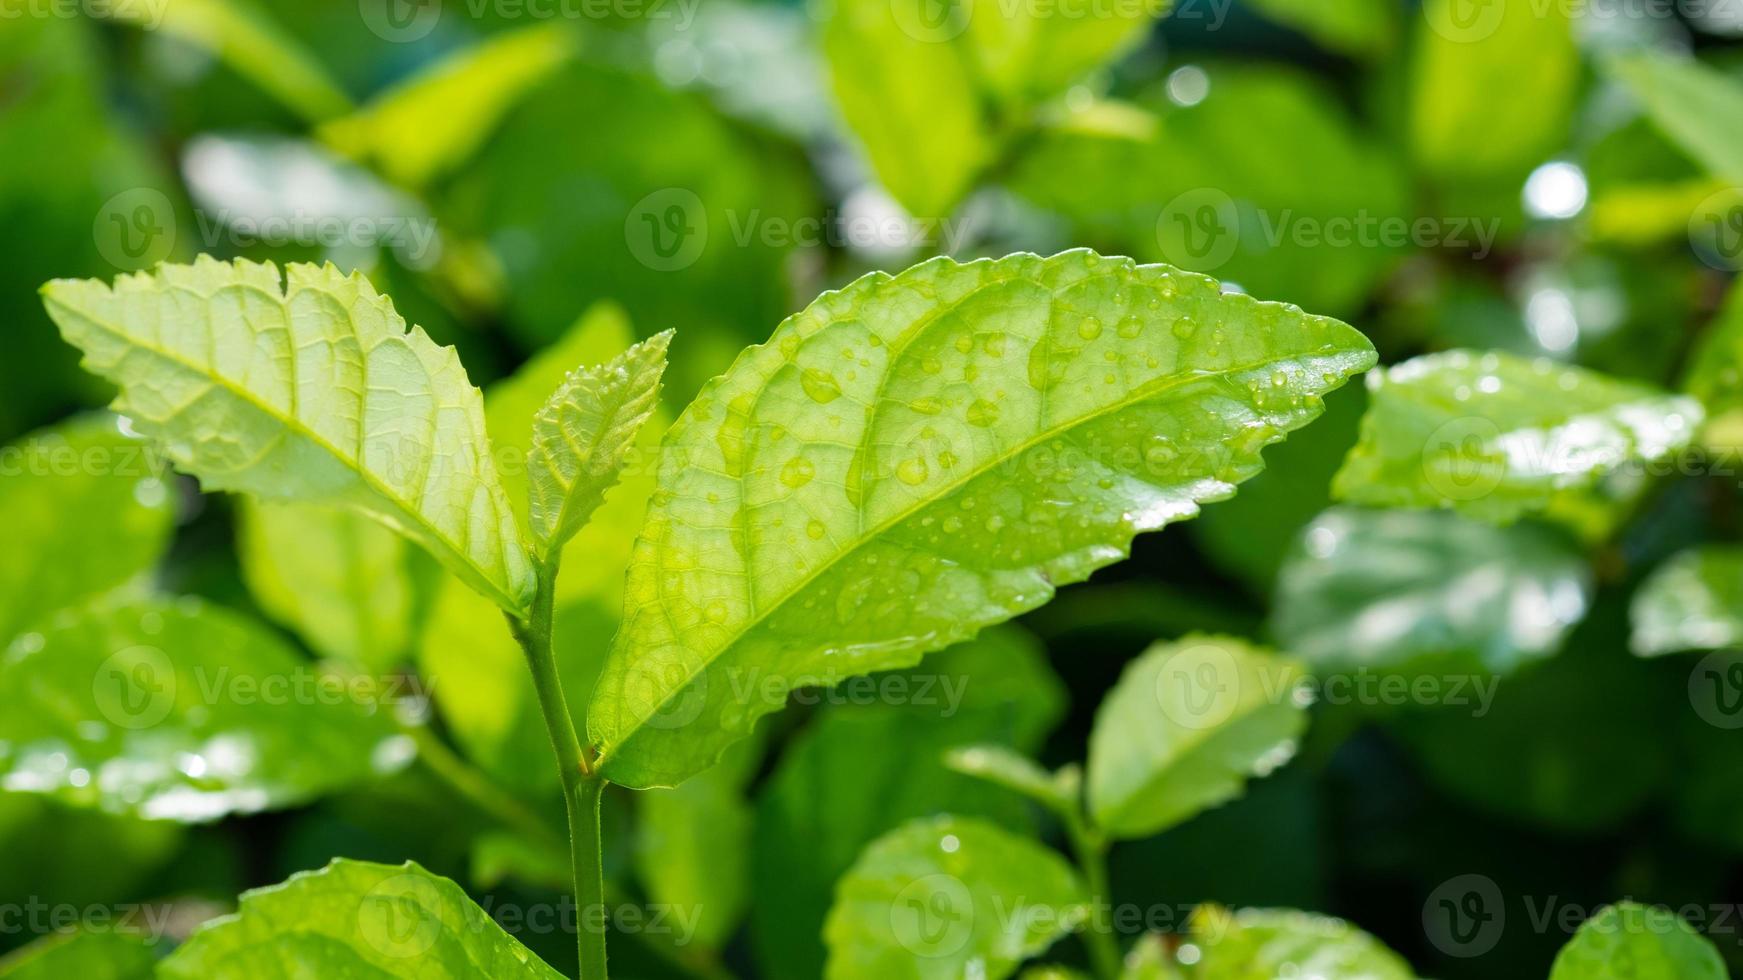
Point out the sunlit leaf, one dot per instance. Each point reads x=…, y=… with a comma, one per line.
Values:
x=307, y=390
x=914, y=458
x=1627, y=941
x=431, y=123
x=1188, y=723
x=353, y=918
x=1285, y=943
x=177, y=710
x=1689, y=102
x=945, y=896
x=1694, y=601
x=1027, y=53
x=86, y=507
x=1418, y=590
x=1496, y=436
x=584, y=435
x=85, y=954
x=1015, y=771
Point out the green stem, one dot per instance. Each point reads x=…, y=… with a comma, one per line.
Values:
x=582, y=787
x=1091, y=849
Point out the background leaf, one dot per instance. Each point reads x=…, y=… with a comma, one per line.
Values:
x=1637, y=942
x=1694, y=601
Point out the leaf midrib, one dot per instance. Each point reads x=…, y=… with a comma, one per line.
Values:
x=1139, y=394
x=295, y=424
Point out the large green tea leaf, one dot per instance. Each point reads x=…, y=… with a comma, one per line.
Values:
x=340, y=579
x=1694, y=601
x=1627, y=941
x=1408, y=589
x=85, y=954
x=1496, y=436
x=1690, y=102
x=584, y=435
x=305, y=390
x=1254, y=943
x=85, y=507
x=355, y=919
x=874, y=759
x=950, y=896
x=914, y=458
x=1185, y=727
x=176, y=710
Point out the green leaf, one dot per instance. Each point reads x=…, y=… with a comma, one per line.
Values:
x=353, y=918
x=914, y=458
x=583, y=436
x=1364, y=28
x=873, y=760
x=1496, y=436
x=1694, y=601
x=908, y=92
x=1016, y=772
x=1285, y=943
x=256, y=48
x=1715, y=372
x=1689, y=102
x=428, y=125
x=86, y=507
x=310, y=391
x=693, y=845
x=1422, y=590
x=946, y=897
x=1185, y=727
x=86, y=954
x=1027, y=53
x=176, y=710
x=1465, y=121
x=1150, y=958
x=344, y=582
x=1627, y=941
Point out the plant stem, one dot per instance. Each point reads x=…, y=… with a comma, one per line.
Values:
x=582, y=787
x=489, y=798
x=1091, y=849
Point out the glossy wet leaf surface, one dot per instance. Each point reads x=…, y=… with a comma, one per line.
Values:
x=307, y=388
x=1252, y=943
x=944, y=896
x=1628, y=941
x=914, y=458
x=1694, y=601
x=1497, y=436
x=1186, y=726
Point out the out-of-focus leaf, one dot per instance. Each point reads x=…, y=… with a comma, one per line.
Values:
x=1015, y=771
x=1715, y=371
x=1286, y=943
x=936, y=898
x=1188, y=723
x=693, y=845
x=873, y=760
x=353, y=918
x=1496, y=436
x=1365, y=28
x=1690, y=103
x=1027, y=53
x=247, y=39
x=1627, y=941
x=86, y=954
x=1467, y=122
x=1694, y=601
x=897, y=468
x=86, y=507
x=906, y=89
x=176, y=710
x=584, y=435
x=1151, y=959
x=340, y=579
x=55, y=851
x=1317, y=226
x=1250, y=534
x=428, y=125
x=1408, y=590
x=308, y=389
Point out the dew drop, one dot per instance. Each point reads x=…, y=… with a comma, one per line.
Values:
x=820, y=385
x=1184, y=327
x=983, y=413
x=815, y=530
x=1089, y=328
x=912, y=471
x=797, y=472
x=715, y=612
x=927, y=405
